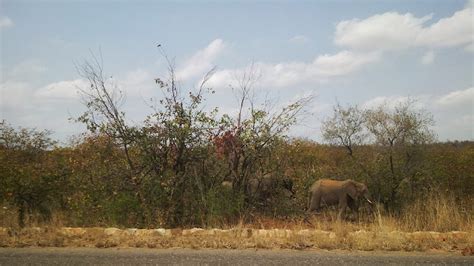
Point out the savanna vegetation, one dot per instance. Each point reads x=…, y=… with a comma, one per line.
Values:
x=168, y=170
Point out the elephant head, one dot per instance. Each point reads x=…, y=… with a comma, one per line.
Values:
x=357, y=190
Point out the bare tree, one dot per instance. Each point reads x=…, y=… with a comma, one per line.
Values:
x=345, y=127
x=401, y=134
x=254, y=131
x=103, y=100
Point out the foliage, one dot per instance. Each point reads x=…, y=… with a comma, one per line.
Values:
x=169, y=169
x=172, y=165
x=398, y=137
x=346, y=127
x=30, y=172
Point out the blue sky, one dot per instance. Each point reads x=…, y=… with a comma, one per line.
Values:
x=366, y=53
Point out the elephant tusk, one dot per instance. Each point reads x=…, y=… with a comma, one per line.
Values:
x=370, y=201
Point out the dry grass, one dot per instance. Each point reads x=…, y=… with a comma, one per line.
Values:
x=439, y=214
x=380, y=232
x=426, y=225
x=343, y=237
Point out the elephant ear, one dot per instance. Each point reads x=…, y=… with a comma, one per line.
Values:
x=351, y=190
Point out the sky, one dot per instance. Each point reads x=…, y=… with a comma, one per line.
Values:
x=365, y=53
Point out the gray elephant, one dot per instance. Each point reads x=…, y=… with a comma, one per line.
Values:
x=341, y=193
x=265, y=188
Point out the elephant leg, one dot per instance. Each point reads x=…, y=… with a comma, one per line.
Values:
x=354, y=208
x=342, y=208
x=315, y=202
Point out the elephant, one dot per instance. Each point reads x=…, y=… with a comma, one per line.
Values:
x=267, y=187
x=264, y=188
x=333, y=192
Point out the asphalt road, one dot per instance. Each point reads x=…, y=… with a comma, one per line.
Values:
x=93, y=256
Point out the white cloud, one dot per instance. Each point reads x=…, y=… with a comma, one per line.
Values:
x=448, y=32
x=453, y=112
x=25, y=70
x=428, y=58
x=201, y=61
x=17, y=85
x=457, y=98
x=288, y=74
x=14, y=93
x=299, y=39
x=62, y=90
x=388, y=31
x=391, y=102
x=223, y=78
x=5, y=22
x=470, y=3
x=394, y=31
x=461, y=99
x=464, y=120
x=21, y=105
x=342, y=63
x=469, y=47
x=137, y=83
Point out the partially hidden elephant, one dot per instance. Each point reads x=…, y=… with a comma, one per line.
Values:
x=267, y=187
x=341, y=193
x=264, y=188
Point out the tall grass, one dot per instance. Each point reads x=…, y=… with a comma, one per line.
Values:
x=373, y=231
x=436, y=212
x=441, y=213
